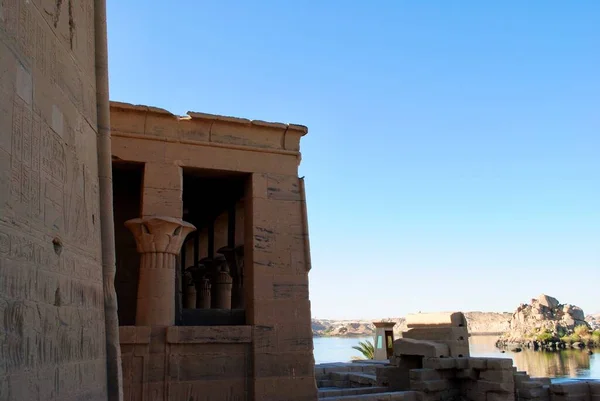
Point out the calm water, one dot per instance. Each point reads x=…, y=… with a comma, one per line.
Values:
x=562, y=364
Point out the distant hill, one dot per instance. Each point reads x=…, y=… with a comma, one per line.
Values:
x=594, y=321
x=478, y=323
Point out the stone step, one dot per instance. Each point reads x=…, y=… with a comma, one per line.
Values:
x=387, y=396
x=326, y=368
x=325, y=383
x=336, y=392
x=364, y=379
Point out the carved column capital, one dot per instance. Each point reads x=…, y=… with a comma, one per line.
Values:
x=159, y=240
x=159, y=234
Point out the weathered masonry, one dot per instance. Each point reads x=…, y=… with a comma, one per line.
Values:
x=59, y=334
x=212, y=257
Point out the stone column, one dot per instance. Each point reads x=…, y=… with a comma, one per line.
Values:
x=190, y=291
x=203, y=296
x=235, y=261
x=159, y=240
x=220, y=290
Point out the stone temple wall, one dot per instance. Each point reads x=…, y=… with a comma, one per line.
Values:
x=269, y=357
x=52, y=341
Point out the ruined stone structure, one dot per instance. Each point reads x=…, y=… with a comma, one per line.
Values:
x=223, y=313
x=430, y=363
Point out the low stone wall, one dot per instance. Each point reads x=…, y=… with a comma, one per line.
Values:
x=481, y=379
x=185, y=363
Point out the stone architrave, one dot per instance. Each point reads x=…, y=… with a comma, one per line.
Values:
x=159, y=240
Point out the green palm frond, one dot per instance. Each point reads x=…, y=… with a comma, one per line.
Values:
x=366, y=348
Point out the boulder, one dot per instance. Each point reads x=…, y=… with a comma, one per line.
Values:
x=575, y=312
x=548, y=301
x=408, y=346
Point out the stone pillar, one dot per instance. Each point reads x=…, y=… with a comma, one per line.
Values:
x=220, y=291
x=222, y=281
x=159, y=240
x=203, y=295
x=235, y=262
x=190, y=291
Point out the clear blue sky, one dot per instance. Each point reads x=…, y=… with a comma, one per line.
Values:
x=453, y=159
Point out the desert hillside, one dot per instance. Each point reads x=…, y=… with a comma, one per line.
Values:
x=478, y=323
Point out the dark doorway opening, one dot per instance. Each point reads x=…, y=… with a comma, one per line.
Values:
x=127, y=197
x=210, y=283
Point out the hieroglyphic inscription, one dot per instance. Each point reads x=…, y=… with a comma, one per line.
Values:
x=25, y=30
x=26, y=132
x=10, y=11
x=89, y=36
x=25, y=165
x=24, y=249
x=17, y=131
x=35, y=142
x=41, y=49
x=53, y=155
x=34, y=195
x=16, y=181
x=4, y=243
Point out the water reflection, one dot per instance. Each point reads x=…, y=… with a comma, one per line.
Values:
x=559, y=364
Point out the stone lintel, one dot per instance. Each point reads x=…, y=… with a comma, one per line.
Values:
x=209, y=334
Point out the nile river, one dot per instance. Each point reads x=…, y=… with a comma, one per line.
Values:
x=560, y=364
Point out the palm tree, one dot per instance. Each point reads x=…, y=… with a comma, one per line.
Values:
x=366, y=348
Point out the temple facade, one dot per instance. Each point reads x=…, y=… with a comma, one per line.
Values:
x=212, y=257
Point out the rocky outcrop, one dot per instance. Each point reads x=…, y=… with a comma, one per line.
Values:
x=544, y=322
x=545, y=313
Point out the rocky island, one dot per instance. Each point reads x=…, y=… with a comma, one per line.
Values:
x=545, y=323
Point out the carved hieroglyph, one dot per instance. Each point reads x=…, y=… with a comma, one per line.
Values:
x=159, y=240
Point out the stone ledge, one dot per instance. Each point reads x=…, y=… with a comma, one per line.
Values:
x=209, y=334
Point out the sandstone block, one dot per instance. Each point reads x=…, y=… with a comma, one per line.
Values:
x=500, y=397
x=488, y=386
x=461, y=362
x=288, y=364
x=396, y=378
x=458, y=349
x=478, y=363
x=448, y=319
x=499, y=376
x=430, y=386
x=470, y=374
x=424, y=374
x=437, y=333
x=439, y=363
x=533, y=393
x=499, y=363
x=573, y=389
x=407, y=346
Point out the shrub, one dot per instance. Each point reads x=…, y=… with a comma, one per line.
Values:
x=596, y=337
x=545, y=336
x=582, y=331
